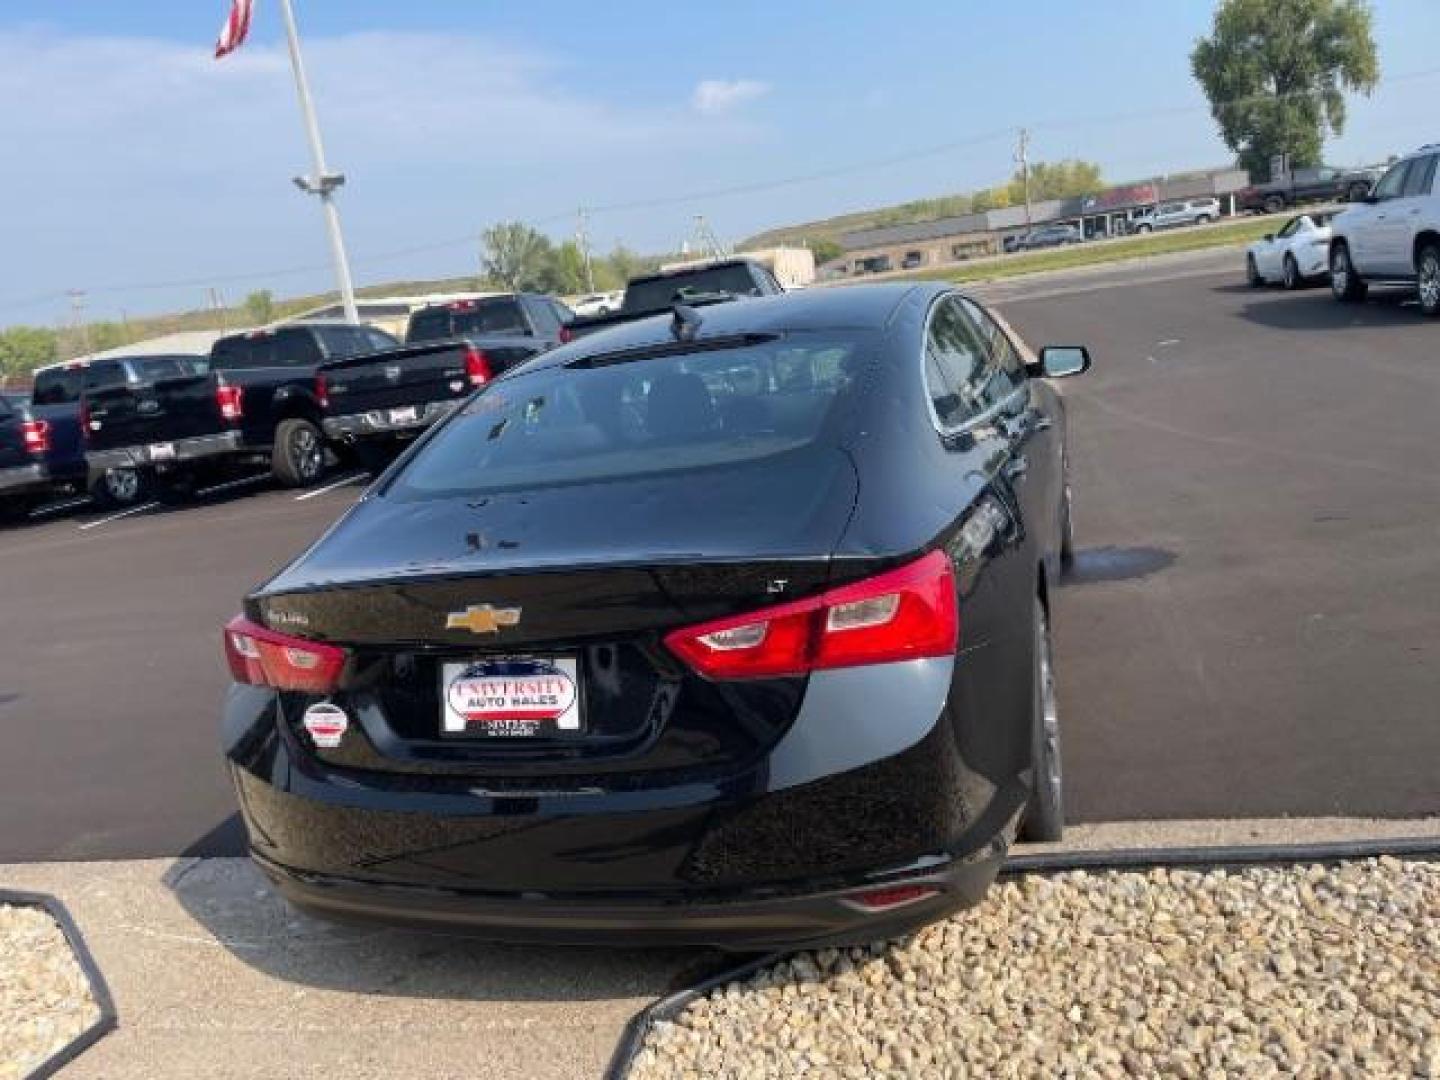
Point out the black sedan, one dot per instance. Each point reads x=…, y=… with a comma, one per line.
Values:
x=731, y=627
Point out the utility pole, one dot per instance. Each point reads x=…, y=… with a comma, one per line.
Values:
x=706, y=239
x=1022, y=155
x=79, y=328
x=217, y=305
x=582, y=240
x=323, y=182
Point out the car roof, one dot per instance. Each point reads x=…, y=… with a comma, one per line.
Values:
x=848, y=307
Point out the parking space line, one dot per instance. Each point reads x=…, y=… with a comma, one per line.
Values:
x=332, y=487
x=121, y=514
x=242, y=482
x=60, y=507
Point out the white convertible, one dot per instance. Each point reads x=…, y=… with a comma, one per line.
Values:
x=1298, y=253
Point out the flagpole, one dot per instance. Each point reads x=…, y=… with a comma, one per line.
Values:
x=324, y=182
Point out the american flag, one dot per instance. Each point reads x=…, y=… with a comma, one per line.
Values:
x=237, y=26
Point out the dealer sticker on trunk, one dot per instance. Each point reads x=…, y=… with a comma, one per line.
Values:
x=510, y=698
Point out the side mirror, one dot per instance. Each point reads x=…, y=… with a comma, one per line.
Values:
x=1060, y=362
x=1268, y=236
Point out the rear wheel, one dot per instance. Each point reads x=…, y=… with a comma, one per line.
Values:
x=1204, y=219
x=298, y=459
x=1427, y=277
x=1045, y=816
x=1143, y=228
x=1345, y=284
x=1252, y=272
x=1274, y=204
x=119, y=487
x=1291, y=274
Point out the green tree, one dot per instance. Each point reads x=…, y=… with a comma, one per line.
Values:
x=824, y=248
x=1276, y=72
x=565, y=270
x=24, y=348
x=260, y=306
x=1056, y=180
x=515, y=255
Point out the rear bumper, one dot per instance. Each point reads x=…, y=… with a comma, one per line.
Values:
x=744, y=922
x=379, y=423
x=162, y=454
x=20, y=478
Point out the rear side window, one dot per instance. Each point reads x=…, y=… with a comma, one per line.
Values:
x=500, y=315
x=955, y=361
x=1005, y=371
x=657, y=414
x=1393, y=182
x=278, y=348
x=105, y=375
x=58, y=386
x=154, y=368
x=1421, y=176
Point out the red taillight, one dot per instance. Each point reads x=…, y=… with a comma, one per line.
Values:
x=322, y=391
x=905, y=614
x=262, y=657
x=36, y=435
x=231, y=400
x=477, y=367
x=566, y=335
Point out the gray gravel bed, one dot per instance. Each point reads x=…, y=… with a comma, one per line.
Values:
x=45, y=1000
x=1308, y=971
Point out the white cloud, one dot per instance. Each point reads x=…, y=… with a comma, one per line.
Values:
x=715, y=96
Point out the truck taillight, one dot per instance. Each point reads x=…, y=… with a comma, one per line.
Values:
x=231, y=400
x=903, y=614
x=261, y=657
x=477, y=367
x=322, y=391
x=566, y=335
x=36, y=436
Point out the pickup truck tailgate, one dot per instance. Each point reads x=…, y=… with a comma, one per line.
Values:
x=412, y=376
x=138, y=414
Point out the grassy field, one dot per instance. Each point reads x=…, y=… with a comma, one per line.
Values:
x=1228, y=234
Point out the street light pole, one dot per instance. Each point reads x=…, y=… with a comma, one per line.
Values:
x=323, y=183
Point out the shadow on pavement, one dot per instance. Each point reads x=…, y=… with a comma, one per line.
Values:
x=1116, y=564
x=1316, y=310
x=232, y=901
x=225, y=840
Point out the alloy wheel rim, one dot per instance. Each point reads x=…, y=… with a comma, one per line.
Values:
x=1430, y=281
x=122, y=484
x=307, y=453
x=1340, y=271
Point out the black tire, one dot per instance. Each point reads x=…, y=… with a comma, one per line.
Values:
x=1274, y=204
x=119, y=488
x=1204, y=219
x=298, y=459
x=1427, y=279
x=1252, y=273
x=1143, y=228
x=1290, y=274
x=1346, y=284
x=1045, y=815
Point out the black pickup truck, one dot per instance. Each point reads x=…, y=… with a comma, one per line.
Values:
x=655, y=294
x=253, y=401
x=374, y=403
x=1320, y=183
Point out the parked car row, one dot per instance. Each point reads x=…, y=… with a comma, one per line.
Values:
x=290, y=397
x=1391, y=237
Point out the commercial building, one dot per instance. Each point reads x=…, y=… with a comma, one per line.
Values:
x=968, y=236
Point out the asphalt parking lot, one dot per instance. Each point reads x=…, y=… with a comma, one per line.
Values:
x=1252, y=628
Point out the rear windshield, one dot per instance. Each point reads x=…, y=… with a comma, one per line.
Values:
x=501, y=315
x=265, y=349
x=655, y=294
x=562, y=425
x=58, y=386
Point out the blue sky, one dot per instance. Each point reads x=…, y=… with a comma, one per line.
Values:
x=139, y=169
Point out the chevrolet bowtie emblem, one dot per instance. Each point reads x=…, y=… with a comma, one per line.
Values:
x=482, y=619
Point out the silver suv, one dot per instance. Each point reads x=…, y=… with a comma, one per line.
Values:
x=1173, y=215
x=1393, y=235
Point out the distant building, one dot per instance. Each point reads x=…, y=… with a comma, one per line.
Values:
x=967, y=236
x=184, y=343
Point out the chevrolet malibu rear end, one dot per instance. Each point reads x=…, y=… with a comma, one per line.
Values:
x=620, y=652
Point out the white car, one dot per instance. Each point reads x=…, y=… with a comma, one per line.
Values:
x=597, y=304
x=1393, y=236
x=1174, y=215
x=1298, y=253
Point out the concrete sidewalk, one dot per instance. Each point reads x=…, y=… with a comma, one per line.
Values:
x=214, y=976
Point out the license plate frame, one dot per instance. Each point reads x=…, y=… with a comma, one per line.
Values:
x=511, y=699
x=408, y=414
